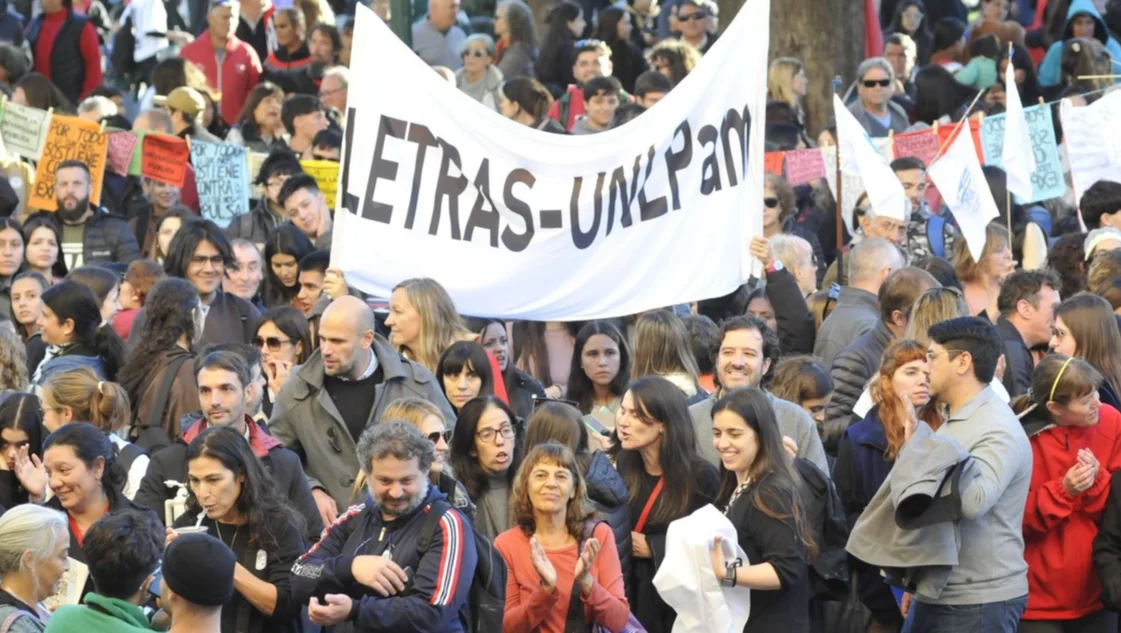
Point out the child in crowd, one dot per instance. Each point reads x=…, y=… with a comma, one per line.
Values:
x=602, y=96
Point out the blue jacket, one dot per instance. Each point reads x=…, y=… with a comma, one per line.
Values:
x=435, y=598
x=1050, y=73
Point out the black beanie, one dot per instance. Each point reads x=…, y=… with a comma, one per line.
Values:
x=200, y=569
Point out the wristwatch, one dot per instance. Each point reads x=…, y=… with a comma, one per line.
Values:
x=774, y=267
x=729, y=579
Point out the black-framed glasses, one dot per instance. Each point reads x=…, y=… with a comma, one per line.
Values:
x=537, y=402
x=489, y=435
x=770, y=202
x=437, y=436
x=693, y=16
x=872, y=83
x=274, y=343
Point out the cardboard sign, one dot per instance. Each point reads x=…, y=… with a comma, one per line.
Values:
x=1047, y=180
x=772, y=162
x=24, y=130
x=922, y=145
x=69, y=138
x=326, y=174
x=121, y=145
x=164, y=159
x=803, y=166
x=221, y=175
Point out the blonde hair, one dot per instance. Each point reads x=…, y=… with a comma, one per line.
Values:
x=411, y=410
x=780, y=80
x=662, y=348
x=934, y=306
x=966, y=268
x=30, y=528
x=440, y=324
x=101, y=403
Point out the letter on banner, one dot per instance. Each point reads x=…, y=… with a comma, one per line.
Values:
x=521, y=224
x=326, y=174
x=222, y=176
x=121, y=145
x=164, y=159
x=24, y=130
x=69, y=138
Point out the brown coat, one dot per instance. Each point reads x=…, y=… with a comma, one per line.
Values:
x=181, y=400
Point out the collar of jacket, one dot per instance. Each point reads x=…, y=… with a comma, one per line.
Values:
x=393, y=367
x=396, y=523
x=869, y=431
x=1008, y=331
x=260, y=441
x=985, y=396
x=851, y=295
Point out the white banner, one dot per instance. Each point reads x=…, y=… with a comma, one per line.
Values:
x=1093, y=155
x=523, y=224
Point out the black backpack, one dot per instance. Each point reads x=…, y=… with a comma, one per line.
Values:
x=486, y=602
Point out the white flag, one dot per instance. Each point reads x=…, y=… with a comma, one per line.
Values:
x=860, y=157
x=964, y=189
x=1017, y=155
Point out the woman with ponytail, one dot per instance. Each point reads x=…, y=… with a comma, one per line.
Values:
x=86, y=479
x=78, y=396
x=1076, y=446
x=868, y=449
x=526, y=101
x=71, y=325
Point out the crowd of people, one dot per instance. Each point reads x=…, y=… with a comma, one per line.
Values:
x=396, y=465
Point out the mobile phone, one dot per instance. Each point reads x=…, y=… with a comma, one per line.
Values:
x=154, y=586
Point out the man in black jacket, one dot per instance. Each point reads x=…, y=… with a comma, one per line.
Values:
x=1027, y=303
x=224, y=382
x=90, y=235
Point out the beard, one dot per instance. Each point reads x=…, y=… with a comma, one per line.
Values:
x=72, y=214
x=414, y=502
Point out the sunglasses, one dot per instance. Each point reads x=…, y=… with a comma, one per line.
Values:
x=436, y=437
x=770, y=202
x=474, y=54
x=693, y=17
x=872, y=83
x=272, y=342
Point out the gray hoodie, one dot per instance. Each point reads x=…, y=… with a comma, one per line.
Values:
x=582, y=126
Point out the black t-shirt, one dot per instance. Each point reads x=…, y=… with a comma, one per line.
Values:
x=354, y=399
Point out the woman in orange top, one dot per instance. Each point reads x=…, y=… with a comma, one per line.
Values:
x=562, y=564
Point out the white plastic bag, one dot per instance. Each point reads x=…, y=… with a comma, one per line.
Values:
x=686, y=580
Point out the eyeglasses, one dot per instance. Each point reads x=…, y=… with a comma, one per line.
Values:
x=436, y=437
x=474, y=54
x=950, y=354
x=274, y=343
x=692, y=17
x=872, y=83
x=770, y=202
x=489, y=435
x=201, y=260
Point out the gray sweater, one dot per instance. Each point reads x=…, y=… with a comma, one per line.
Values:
x=793, y=422
x=992, y=567
x=492, y=513
x=856, y=312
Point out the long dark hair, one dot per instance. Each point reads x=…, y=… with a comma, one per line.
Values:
x=464, y=464
x=608, y=29
x=24, y=412
x=659, y=400
x=580, y=387
x=285, y=239
x=558, y=39
x=46, y=220
x=89, y=444
x=260, y=503
x=294, y=325
x=186, y=241
x=14, y=224
x=751, y=404
x=248, y=124
x=74, y=301
x=100, y=281
x=519, y=24
x=168, y=316
x=41, y=93
x=21, y=329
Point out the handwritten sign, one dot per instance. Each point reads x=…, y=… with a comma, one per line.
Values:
x=326, y=174
x=922, y=145
x=772, y=163
x=803, y=166
x=1047, y=180
x=24, y=130
x=255, y=160
x=1092, y=153
x=121, y=145
x=221, y=175
x=69, y=138
x=164, y=159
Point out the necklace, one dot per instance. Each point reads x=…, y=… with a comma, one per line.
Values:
x=218, y=528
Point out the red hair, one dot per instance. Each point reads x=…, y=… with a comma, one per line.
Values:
x=892, y=414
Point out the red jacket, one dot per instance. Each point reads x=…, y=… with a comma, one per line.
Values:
x=1059, y=530
x=234, y=79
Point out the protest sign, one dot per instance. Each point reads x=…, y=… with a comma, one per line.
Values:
x=24, y=130
x=522, y=224
x=949, y=129
x=255, y=160
x=69, y=138
x=221, y=176
x=164, y=159
x=326, y=174
x=803, y=166
x=137, y=154
x=772, y=163
x=1093, y=155
x=1047, y=177
x=922, y=145
x=121, y=145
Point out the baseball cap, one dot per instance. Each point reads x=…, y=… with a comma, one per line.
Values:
x=186, y=100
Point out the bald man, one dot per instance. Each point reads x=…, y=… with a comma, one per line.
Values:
x=341, y=389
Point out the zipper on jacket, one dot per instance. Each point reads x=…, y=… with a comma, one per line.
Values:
x=381, y=535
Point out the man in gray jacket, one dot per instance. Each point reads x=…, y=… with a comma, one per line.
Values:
x=988, y=588
x=341, y=389
x=748, y=351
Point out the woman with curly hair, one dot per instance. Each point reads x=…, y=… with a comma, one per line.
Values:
x=674, y=59
x=557, y=548
x=159, y=376
x=868, y=449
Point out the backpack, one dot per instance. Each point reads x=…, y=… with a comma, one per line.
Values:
x=936, y=235
x=486, y=601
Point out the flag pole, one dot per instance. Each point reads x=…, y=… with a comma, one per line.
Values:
x=840, y=258
x=1007, y=191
